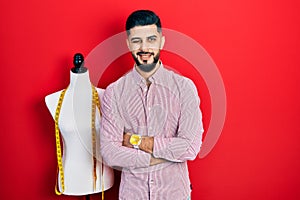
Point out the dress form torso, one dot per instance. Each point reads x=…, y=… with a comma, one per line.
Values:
x=76, y=131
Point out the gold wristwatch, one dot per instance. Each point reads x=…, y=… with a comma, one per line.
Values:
x=135, y=140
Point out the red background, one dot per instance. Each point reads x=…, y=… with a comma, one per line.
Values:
x=255, y=45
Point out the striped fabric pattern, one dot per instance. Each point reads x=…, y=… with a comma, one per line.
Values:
x=169, y=111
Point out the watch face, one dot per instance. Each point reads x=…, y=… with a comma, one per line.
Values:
x=135, y=139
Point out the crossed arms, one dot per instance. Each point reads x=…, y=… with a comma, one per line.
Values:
x=118, y=152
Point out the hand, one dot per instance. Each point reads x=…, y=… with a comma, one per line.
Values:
x=126, y=140
x=146, y=143
x=156, y=161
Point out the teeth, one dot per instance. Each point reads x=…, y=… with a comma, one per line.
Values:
x=145, y=57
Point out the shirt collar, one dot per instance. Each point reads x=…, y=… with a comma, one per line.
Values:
x=157, y=77
x=137, y=77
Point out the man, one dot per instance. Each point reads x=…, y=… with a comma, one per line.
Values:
x=158, y=110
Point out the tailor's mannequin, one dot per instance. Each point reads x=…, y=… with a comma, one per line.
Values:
x=76, y=133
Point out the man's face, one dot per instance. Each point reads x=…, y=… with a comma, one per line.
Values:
x=145, y=43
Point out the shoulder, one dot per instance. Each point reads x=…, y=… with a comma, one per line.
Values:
x=51, y=101
x=117, y=89
x=53, y=98
x=119, y=85
x=180, y=82
x=186, y=90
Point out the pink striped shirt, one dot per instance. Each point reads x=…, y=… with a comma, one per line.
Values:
x=169, y=111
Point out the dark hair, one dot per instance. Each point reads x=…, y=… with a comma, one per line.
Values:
x=142, y=18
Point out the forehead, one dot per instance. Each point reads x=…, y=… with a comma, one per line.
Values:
x=143, y=31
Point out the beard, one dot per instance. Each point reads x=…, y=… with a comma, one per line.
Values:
x=146, y=67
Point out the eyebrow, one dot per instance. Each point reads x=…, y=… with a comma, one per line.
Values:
x=138, y=38
x=152, y=36
x=135, y=38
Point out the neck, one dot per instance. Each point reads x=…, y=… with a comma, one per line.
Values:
x=146, y=75
x=79, y=80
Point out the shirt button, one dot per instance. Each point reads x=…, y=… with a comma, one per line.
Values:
x=149, y=108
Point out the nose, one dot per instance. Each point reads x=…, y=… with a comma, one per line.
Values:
x=144, y=46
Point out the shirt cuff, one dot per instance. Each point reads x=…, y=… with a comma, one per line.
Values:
x=160, y=147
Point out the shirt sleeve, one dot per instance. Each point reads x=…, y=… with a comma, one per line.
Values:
x=111, y=137
x=188, y=139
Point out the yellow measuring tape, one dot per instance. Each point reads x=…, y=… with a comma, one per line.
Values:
x=95, y=102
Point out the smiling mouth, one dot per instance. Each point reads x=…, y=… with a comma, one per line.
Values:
x=145, y=56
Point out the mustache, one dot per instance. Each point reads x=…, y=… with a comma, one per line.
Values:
x=144, y=53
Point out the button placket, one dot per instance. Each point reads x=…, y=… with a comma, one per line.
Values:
x=149, y=107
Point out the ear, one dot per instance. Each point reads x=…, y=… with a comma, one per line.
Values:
x=162, y=42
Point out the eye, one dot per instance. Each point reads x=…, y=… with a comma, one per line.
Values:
x=152, y=39
x=136, y=41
